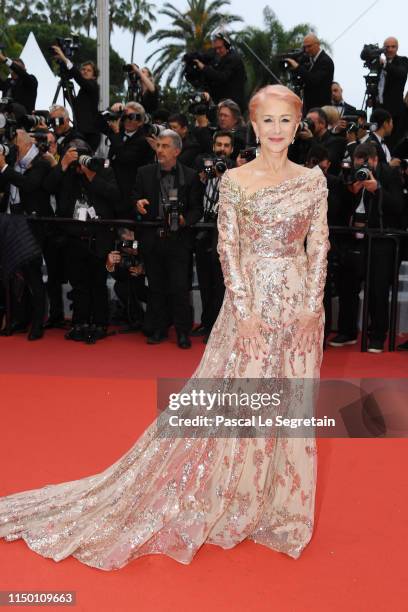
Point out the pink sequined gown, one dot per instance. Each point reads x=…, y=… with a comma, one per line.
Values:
x=170, y=496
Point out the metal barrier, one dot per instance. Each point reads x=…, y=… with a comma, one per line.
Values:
x=371, y=233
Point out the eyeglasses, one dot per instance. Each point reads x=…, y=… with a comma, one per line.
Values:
x=133, y=117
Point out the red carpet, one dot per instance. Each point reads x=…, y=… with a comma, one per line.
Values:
x=70, y=410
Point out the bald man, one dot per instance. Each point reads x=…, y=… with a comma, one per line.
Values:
x=317, y=74
x=391, y=89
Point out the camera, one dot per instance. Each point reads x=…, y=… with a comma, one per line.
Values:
x=41, y=140
x=306, y=124
x=371, y=56
x=362, y=173
x=127, y=259
x=173, y=210
x=4, y=150
x=150, y=128
x=295, y=54
x=8, y=124
x=67, y=45
x=108, y=115
x=130, y=72
x=191, y=71
x=214, y=166
x=248, y=154
x=93, y=163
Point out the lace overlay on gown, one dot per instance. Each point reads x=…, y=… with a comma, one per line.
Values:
x=170, y=496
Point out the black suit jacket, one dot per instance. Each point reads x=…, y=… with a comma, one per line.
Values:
x=126, y=157
x=380, y=151
x=318, y=81
x=23, y=90
x=33, y=196
x=348, y=109
x=227, y=79
x=86, y=102
x=390, y=197
x=190, y=195
x=102, y=193
x=395, y=80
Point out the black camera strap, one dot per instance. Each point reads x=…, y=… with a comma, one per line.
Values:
x=177, y=182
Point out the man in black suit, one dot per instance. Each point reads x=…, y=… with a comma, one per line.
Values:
x=228, y=77
x=391, y=89
x=85, y=104
x=375, y=202
x=128, y=149
x=20, y=86
x=24, y=194
x=61, y=126
x=317, y=76
x=337, y=101
x=191, y=147
x=385, y=124
x=167, y=254
x=82, y=193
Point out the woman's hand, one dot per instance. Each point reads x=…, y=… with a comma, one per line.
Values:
x=250, y=336
x=306, y=333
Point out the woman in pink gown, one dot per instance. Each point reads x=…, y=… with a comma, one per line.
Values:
x=172, y=495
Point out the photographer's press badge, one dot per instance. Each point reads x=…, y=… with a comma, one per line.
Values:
x=81, y=210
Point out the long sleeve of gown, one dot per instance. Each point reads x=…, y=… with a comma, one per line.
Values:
x=317, y=247
x=229, y=248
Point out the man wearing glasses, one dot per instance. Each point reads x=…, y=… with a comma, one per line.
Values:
x=129, y=148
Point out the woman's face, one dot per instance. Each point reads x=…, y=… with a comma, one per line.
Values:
x=275, y=125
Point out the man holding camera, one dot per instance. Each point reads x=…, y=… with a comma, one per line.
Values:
x=375, y=200
x=191, y=148
x=393, y=77
x=22, y=187
x=126, y=267
x=128, y=149
x=209, y=272
x=172, y=194
x=60, y=124
x=85, y=104
x=317, y=74
x=85, y=190
x=227, y=78
x=20, y=86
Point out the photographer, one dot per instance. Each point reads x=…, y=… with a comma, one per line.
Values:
x=171, y=193
x=317, y=76
x=375, y=199
x=314, y=130
x=60, y=124
x=85, y=104
x=393, y=77
x=384, y=122
x=337, y=101
x=20, y=86
x=141, y=87
x=126, y=268
x=227, y=78
x=22, y=187
x=85, y=189
x=209, y=272
x=128, y=149
x=191, y=148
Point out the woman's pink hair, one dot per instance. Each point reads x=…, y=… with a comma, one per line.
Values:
x=279, y=92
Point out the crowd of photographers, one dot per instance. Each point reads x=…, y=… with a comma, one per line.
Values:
x=162, y=171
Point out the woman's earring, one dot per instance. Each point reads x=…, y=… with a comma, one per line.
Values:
x=258, y=142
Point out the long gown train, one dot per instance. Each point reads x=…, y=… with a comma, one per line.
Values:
x=171, y=495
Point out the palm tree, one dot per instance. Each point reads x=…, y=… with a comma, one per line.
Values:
x=138, y=19
x=268, y=43
x=190, y=30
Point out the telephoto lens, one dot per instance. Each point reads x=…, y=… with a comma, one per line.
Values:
x=4, y=150
x=93, y=163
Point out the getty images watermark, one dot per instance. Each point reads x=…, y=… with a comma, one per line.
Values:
x=282, y=407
